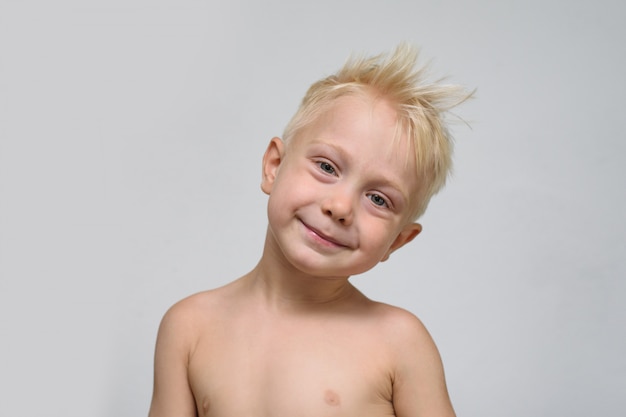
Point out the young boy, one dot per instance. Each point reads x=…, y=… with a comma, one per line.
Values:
x=356, y=166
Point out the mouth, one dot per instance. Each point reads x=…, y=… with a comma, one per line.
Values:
x=322, y=238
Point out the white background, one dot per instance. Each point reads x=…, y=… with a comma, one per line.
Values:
x=131, y=134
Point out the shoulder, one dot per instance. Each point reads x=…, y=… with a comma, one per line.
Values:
x=416, y=369
x=196, y=308
x=183, y=321
x=176, y=340
x=400, y=324
x=407, y=337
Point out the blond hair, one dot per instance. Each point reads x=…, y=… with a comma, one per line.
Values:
x=421, y=105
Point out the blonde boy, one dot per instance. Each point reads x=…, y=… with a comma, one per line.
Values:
x=357, y=165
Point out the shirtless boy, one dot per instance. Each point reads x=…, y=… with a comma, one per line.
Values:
x=356, y=167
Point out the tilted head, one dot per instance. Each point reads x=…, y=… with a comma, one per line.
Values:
x=421, y=106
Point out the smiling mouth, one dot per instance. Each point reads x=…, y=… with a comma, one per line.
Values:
x=322, y=238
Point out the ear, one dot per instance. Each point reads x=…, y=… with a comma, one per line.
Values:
x=271, y=161
x=407, y=234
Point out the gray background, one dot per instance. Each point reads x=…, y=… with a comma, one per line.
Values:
x=131, y=138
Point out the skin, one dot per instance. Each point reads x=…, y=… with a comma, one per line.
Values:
x=293, y=337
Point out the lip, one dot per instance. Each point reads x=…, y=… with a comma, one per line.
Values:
x=322, y=237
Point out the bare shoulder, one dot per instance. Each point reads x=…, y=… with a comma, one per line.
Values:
x=403, y=328
x=419, y=385
x=191, y=313
x=193, y=305
x=179, y=326
x=177, y=339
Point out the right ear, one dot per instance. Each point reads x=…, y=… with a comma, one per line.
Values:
x=271, y=161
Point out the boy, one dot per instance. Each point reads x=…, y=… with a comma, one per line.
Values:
x=357, y=165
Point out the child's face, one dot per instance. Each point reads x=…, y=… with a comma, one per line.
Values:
x=340, y=190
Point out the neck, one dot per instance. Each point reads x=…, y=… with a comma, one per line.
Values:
x=281, y=285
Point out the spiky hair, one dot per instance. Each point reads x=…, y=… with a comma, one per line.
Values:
x=422, y=107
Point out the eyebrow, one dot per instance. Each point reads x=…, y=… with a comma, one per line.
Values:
x=335, y=147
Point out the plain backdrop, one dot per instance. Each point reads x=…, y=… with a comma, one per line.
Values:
x=131, y=135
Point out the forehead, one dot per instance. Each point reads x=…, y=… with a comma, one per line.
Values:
x=368, y=128
x=370, y=120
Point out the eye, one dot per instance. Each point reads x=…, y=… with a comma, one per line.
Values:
x=378, y=200
x=326, y=167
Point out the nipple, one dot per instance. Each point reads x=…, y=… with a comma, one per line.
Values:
x=205, y=406
x=331, y=397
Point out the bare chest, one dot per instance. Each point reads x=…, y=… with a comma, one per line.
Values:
x=310, y=370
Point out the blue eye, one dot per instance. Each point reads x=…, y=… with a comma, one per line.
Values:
x=378, y=200
x=326, y=167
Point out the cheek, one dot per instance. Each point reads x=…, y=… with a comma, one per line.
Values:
x=380, y=239
x=293, y=187
x=284, y=199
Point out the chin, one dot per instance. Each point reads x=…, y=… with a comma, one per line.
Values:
x=328, y=268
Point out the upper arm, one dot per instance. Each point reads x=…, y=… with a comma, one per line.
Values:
x=172, y=395
x=419, y=386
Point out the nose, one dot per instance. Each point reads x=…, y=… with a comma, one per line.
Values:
x=338, y=205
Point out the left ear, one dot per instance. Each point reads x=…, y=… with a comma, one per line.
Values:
x=271, y=161
x=407, y=234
